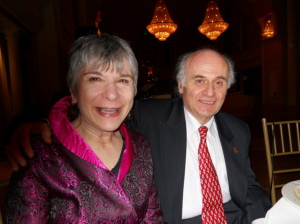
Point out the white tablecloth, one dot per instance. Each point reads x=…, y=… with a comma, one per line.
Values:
x=283, y=212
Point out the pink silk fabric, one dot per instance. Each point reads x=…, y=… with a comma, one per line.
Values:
x=67, y=183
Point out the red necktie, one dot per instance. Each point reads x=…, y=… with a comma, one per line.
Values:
x=212, y=210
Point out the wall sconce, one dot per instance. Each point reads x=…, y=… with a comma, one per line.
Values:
x=268, y=26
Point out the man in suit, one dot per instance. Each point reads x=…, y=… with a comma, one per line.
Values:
x=171, y=126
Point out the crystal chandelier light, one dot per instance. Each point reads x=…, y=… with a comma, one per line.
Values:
x=213, y=24
x=161, y=25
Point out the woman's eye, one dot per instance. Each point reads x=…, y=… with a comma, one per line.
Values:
x=94, y=79
x=123, y=80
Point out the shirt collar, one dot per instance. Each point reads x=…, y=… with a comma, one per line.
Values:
x=192, y=124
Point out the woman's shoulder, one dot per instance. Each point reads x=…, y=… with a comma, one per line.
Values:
x=45, y=156
x=138, y=140
x=45, y=153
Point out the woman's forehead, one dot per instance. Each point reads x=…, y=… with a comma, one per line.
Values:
x=102, y=65
x=112, y=67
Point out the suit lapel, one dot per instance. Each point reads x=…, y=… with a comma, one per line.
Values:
x=236, y=177
x=176, y=155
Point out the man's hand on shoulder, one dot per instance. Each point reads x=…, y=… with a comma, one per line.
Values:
x=20, y=142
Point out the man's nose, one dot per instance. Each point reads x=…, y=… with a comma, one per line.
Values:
x=210, y=89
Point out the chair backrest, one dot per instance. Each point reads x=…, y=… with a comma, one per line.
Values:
x=282, y=144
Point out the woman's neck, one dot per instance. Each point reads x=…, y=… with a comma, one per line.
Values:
x=106, y=145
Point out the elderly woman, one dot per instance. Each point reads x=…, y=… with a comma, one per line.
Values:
x=95, y=170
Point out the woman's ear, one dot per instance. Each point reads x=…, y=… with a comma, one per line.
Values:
x=74, y=101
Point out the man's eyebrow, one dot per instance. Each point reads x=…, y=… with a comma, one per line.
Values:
x=198, y=76
x=203, y=76
x=222, y=77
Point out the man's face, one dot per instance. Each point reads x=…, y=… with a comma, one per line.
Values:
x=206, y=83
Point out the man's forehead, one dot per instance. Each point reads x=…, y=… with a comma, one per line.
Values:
x=206, y=57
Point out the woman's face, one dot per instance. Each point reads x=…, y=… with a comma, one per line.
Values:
x=104, y=99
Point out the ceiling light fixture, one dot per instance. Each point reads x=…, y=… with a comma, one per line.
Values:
x=161, y=26
x=213, y=24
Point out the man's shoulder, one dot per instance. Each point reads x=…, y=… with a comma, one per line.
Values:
x=229, y=119
x=229, y=116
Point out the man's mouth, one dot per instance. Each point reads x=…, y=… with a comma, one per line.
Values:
x=207, y=102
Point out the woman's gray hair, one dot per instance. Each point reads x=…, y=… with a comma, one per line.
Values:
x=105, y=52
x=181, y=66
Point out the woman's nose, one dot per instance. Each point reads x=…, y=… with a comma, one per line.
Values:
x=110, y=92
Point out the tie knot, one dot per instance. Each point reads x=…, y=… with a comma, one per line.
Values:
x=203, y=131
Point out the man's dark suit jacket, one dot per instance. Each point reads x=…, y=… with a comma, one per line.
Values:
x=162, y=121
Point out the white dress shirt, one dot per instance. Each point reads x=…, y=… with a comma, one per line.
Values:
x=192, y=195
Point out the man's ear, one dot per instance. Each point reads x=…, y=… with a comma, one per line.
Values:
x=180, y=87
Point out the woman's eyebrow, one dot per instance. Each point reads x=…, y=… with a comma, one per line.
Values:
x=92, y=73
x=126, y=75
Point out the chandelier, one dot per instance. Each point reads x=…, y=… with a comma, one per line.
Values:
x=98, y=19
x=213, y=25
x=161, y=25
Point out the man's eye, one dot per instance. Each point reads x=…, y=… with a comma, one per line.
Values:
x=199, y=81
x=219, y=83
